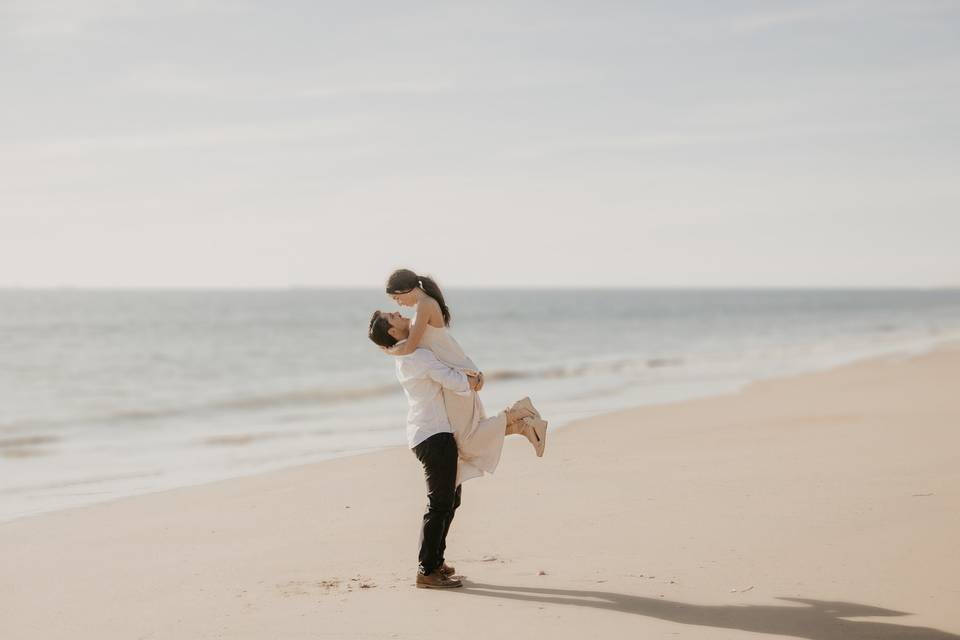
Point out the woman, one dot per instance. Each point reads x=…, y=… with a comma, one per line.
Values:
x=479, y=448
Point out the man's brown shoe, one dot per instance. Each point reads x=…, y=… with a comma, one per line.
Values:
x=446, y=569
x=436, y=580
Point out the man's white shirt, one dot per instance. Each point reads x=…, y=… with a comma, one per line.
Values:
x=423, y=379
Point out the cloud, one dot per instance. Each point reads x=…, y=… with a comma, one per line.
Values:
x=768, y=20
x=835, y=11
x=52, y=19
x=213, y=136
x=379, y=89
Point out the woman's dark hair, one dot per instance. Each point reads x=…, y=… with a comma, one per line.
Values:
x=379, y=331
x=403, y=280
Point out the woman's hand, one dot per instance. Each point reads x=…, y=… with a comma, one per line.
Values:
x=475, y=381
x=402, y=348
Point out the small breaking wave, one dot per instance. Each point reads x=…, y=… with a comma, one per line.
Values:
x=292, y=399
x=26, y=446
x=583, y=369
x=92, y=480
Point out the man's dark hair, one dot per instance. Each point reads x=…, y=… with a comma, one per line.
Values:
x=379, y=331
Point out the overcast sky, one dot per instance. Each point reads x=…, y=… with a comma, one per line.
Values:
x=234, y=143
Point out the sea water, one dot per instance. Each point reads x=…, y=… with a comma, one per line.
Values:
x=111, y=393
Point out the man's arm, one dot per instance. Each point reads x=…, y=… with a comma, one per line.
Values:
x=448, y=377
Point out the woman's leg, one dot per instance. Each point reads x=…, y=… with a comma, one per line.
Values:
x=515, y=420
x=519, y=418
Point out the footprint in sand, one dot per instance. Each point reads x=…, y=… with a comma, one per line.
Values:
x=328, y=586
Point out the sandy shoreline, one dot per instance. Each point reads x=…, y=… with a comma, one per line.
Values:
x=840, y=489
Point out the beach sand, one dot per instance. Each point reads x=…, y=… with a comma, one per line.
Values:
x=822, y=506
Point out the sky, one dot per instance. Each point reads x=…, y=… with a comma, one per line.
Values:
x=239, y=143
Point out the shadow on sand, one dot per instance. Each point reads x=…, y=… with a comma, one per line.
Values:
x=818, y=620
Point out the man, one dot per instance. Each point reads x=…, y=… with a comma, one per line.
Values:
x=430, y=437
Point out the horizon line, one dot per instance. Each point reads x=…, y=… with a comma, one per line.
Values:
x=525, y=287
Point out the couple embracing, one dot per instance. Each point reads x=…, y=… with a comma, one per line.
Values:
x=447, y=427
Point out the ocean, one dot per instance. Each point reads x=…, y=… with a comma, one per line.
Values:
x=115, y=393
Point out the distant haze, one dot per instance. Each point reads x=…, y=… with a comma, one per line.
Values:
x=270, y=144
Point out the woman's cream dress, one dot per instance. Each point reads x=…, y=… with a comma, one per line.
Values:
x=479, y=438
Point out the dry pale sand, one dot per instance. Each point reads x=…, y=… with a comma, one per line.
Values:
x=823, y=506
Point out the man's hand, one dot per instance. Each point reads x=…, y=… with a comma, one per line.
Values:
x=480, y=381
x=475, y=382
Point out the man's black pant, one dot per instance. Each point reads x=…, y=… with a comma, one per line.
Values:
x=438, y=453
